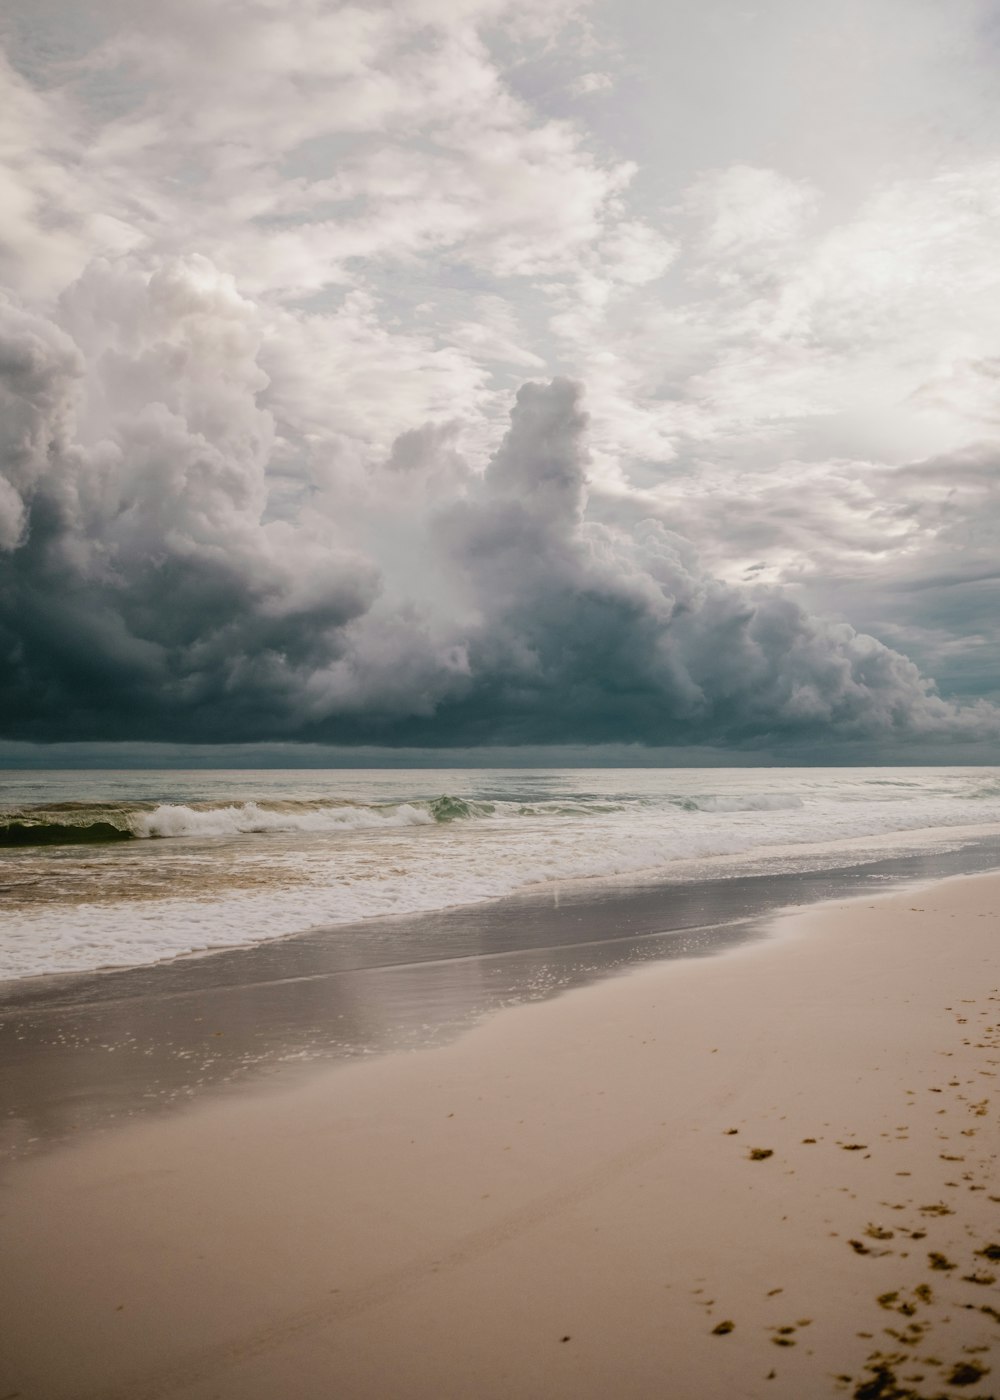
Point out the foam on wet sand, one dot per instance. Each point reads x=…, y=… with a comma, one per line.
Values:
x=771, y=1173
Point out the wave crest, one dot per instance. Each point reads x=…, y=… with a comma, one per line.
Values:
x=250, y=818
x=99, y=823
x=19, y=832
x=451, y=809
x=762, y=802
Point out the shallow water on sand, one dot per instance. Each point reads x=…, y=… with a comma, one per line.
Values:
x=90, y=1050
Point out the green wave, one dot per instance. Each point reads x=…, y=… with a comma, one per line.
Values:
x=31, y=833
x=455, y=809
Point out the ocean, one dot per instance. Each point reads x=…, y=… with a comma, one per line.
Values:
x=103, y=870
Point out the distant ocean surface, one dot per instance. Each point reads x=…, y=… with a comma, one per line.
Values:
x=111, y=869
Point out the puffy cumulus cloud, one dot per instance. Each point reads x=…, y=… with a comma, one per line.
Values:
x=143, y=582
x=596, y=632
x=907, y=551
x=802, y=395
x=39, y=365
x=933, y=586
x=147, y=590
x=280, y=269
x=366, y=174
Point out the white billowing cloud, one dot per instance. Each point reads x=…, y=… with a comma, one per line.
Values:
x=329, y=375
x=831, y=343
x=349, y=132
x=584, y=626
x=634, y=254
x=153, y=590
x=750, y=216
x=39, y=365
x=148, y=558
x=588, y=83
x=964, y=388
x=493, y=334
x=907, y=552
x=813, y=403
x=276, y=274
x=59, y=209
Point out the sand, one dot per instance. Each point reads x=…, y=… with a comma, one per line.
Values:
x=769, y=1173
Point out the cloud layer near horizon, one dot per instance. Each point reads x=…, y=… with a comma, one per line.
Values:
x=266, y=470
x=146, y=592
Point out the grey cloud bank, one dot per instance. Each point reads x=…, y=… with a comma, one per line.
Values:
x=270, y=470
x=144, y=593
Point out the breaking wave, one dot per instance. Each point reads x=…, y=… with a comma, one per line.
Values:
x=123, y=869
x=99, y=823
x=251, y=818
x=76, y=826
x=15, y=832
x=984, y=793
x=764, y=802
x=456, y=809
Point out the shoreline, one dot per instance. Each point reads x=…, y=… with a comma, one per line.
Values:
x=566, y=1201
x=904, y=843
x=84, y=1051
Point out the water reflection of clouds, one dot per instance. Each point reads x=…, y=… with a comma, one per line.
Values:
x=91, y=1051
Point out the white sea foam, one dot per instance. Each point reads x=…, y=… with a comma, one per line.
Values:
x=750, y=802
x=248, y=818
x=263, y=856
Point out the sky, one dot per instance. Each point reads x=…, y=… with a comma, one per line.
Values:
x=474, y=376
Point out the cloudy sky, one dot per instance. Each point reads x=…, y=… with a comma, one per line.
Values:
x=459, y=373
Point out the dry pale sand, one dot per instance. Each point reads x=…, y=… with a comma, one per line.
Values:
x=771, y=1173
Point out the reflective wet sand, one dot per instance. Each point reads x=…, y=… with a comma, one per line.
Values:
x=81, y=1052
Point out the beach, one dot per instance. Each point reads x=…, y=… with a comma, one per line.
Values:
x=499, y=700
x=769, y=1172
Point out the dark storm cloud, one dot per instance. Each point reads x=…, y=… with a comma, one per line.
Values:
x=140, y=591
x=278, y=279
x=597, y=633
x=907, y=552
x=146, y=594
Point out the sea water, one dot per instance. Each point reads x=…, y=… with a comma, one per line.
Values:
x=109, y=869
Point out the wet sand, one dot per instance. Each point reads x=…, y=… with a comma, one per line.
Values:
x=769, y=1173
x=84, y=1051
